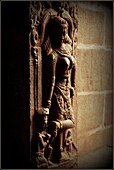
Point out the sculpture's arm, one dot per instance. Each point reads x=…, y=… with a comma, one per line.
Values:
x=42, y=142
x=49, y=79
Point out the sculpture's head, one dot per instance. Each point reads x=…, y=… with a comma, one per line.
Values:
x=57, y=29
x=62, y=24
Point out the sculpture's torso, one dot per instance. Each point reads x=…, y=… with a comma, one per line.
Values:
x=64, y=65
x=61, y=95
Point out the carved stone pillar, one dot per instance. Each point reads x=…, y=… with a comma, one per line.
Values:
x=43, y=18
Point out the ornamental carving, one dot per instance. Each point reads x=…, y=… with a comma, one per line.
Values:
x=53, y=33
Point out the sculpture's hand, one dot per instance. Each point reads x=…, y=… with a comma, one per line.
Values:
x=45, y=111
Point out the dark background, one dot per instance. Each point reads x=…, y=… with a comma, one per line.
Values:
x=15, y=146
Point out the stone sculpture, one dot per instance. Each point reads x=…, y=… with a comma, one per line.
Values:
x=54, y=141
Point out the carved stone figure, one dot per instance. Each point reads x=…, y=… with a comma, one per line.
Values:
x=43, y=140
x=69, y=144
x=59, y=82
x=54, y=138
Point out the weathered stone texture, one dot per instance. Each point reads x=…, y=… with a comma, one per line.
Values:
x=94, y=70
x=108, y=28
x=91, y=26
x=108, y=110
x=39, y=78
x=108, y=137
x=90, y=112
x=31, y=95
x=75, y=112
x=97, y=140
x=94, y=76
x=108, y=71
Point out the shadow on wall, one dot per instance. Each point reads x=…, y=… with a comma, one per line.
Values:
x=100, y=158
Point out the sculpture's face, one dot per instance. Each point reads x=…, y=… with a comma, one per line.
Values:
x=65, y=29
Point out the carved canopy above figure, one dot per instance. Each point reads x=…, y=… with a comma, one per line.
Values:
x=52, y=36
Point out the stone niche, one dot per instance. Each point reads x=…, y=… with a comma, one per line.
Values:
x=52, y=38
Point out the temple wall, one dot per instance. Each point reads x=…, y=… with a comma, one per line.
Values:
x=94, y=76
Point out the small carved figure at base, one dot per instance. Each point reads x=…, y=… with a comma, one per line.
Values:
x=43, y=140
x=70, y=147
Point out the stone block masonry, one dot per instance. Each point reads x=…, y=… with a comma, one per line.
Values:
x=94, y=76
x=96, y=73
